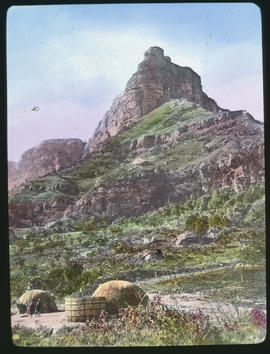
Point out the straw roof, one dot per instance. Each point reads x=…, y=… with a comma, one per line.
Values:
x=47, y=302
x=121, y=293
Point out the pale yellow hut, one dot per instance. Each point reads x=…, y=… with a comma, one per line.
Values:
x=47, y=301
x=121, y=293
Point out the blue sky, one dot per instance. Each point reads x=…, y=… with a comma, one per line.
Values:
x=72, y=60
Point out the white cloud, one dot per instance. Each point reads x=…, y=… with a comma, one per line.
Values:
x=85, y=55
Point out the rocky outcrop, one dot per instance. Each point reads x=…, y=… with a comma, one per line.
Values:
x=156, y=81
x=34, y=213
x=219, y=129
x=48, y=157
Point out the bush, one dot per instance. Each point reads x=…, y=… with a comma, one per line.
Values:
x=90, y=226
x=63, y=280
x=116, y=229
x=122, y=247
x=155, y=325
x=218, y=221
x=219, y=198
x=197, y=223
x=165, y=232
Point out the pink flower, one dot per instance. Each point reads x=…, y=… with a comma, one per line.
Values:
x=258, y=317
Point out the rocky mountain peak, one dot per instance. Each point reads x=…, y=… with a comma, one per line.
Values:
x=155, y=55
x=156, y=81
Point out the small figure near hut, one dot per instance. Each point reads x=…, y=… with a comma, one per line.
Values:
x=21, y=308
x=47, y=302
x=31, y=308
x=37, y=308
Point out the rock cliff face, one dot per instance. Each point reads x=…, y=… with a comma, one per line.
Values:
x=234, y=150
x=157, y=81
x=137, y=162
x=48, y=157
x=232, y=157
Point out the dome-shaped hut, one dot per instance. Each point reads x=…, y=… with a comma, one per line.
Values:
x=47, y=302
x=121, y=293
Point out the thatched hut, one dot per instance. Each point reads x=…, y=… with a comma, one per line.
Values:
x=121, y=293
x=47, y=302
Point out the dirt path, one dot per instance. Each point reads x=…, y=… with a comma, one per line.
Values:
x=50, y=320
x=184, y=301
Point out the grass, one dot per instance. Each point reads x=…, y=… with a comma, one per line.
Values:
x=155, y=325
x=179, y=156
x=232, y=283
x=46, y=188
x=165, y=119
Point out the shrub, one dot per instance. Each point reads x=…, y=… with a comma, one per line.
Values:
x=258, y=317
x=90, y=226
x=21, y=244
x=63, y=280
x=217, y=220
x=165, y=232
x=219, y=198
x=197, y=223
x=116, y=229
x=122, y=247
x=254, y=193
x=155, y=325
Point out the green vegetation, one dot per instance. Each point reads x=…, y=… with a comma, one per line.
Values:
x=74, y=256
x=238, y=282
x=155, y=325
x=230, y=270
x=115, y=164
x=65, y=262
x=46, y=188
x=200, y=224
x=165, y=119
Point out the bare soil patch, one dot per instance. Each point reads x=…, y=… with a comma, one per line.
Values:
x=50, y=320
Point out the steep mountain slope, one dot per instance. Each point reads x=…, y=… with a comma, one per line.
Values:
x=176, y=152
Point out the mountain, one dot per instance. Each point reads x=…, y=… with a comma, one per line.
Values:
x=48, y=157
x=156, y=81
x=168, y=193
x=163, y=141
